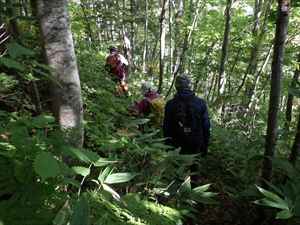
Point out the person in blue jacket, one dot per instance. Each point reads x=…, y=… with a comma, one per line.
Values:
x=183, y=87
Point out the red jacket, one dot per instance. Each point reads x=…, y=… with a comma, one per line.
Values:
x=144, y=107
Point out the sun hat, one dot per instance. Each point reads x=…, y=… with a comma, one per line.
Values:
x=146, y=87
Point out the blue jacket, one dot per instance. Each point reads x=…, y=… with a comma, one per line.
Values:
x=170, y=117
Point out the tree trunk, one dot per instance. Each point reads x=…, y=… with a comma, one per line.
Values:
x=279, y=44
x=222, y=72
x=251, y=69
x=66, y=96
x=289, y=104
x=145, y=39
x=34, y=93
x=162, y=45
x=296, y=145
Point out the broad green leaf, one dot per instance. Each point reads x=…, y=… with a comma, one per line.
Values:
x=238, y=154
x=287, y=166
x=139, y=121
x=81, y=154
x=41, y=121
x=108, y=170
x=104, y=162
x=202, y=188
x=46, y=75
x=81, y=213
x=294, y=91
x=71, y=181
x=64, y=215
x=45, y=165
x=15, y=50
x=273, y=197
x=270, y=203
x=11, y=63
x=111, y=191
x=274, y=187
x=26, y=18
x=49, y=68
x=119, y=178
x=185, y=186
x=284, y=214
x=81, y=170
x=161, y=145
x=290, y=191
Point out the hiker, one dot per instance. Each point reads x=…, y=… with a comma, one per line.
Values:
x=116, y=64
x=172, y=129
x=143, y=107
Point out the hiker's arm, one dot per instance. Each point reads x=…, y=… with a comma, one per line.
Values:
x=167, y=125
x=205, y=127
x=142, y=107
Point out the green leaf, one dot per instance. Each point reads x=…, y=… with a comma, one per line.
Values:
x=238, y=154
x=81, y=170
x=294, y=91
x=26, y=18
x=284, y=214
x=270, y=195
x=274, y=187
x=46, y=75
x=139, y=121
x=119, y=178
x=202, y=188
x=63, y=215
x=270, y=203
x=81, y=154
x=71, y=181
x=81, y=213
x=108, y=170
x=49, y=68
x=15, y=50
x=287, y=166
x=45, y=165
x=104, y=162
x=41, y=121
x=11, y=63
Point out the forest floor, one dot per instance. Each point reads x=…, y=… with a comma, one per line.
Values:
x=229, y=211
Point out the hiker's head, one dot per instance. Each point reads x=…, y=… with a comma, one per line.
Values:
x=146, y=87
x=112, y=48
x=183, y=82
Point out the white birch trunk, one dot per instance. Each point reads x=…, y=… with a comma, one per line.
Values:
x=66, y=97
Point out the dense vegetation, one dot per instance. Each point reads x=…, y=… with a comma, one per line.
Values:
x=124, y=173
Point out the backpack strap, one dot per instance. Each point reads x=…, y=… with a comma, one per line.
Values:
x=147, y=100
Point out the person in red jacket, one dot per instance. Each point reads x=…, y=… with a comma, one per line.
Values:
x=143, y=108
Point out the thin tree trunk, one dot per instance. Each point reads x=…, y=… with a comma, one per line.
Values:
x=66, y=96
x=274, y=102
x=187, y=38
x=296, y=145
x=226, y=37
x=252, y=67
x=33, y=87
x=145, y=38
x=162, y=46
x=289, y=104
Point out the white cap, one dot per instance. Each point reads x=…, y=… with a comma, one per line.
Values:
x=146, y=87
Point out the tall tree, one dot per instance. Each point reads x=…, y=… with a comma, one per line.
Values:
x=226, y=36
x=283, y=11
x=162, y=44
x=258, y=33
x=289, y=104
x=54, y=23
